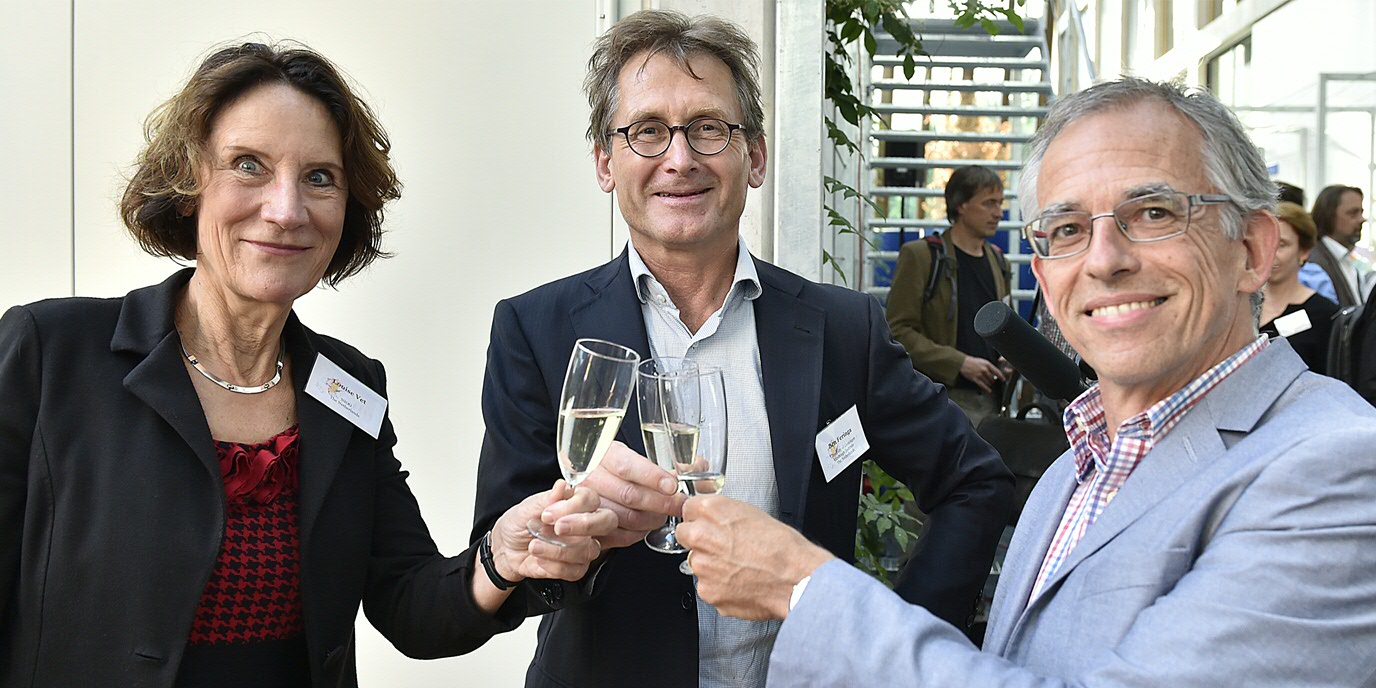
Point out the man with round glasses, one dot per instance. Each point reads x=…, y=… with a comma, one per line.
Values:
x=677, y=129
x=1213, y=522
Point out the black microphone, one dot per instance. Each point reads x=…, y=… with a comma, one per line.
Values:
x=1029, y=351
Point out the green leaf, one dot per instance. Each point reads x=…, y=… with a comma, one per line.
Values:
x=909, y=66
x=1015, y=19
x=884, y=525
x=892, y=24
x=965, y=21
x=851, y=30
x=871, y=46
x=989, y=26
x=902, y=536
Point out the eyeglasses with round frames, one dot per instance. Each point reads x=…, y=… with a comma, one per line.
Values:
x=649, y=138
x=1144, y=219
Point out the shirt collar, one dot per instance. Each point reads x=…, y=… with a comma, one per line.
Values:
x=1338, y=250
x=746, y=279
x=1087, y=427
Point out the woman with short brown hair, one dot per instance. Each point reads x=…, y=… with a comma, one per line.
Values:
x=195, y=488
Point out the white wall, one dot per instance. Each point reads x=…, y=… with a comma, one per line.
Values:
x=483, y=106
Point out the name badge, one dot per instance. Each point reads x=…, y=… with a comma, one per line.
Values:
x=841, y=443
x=1294, y=323
x=345, y=395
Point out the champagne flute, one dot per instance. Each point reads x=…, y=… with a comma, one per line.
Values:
x=597, y=389
x=706, y=473
x=668, y=400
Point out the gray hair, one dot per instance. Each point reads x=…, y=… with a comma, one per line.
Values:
x=1232, y=162
x=675, y=35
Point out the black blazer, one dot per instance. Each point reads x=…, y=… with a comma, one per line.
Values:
x=112, y=508
x=822, y=350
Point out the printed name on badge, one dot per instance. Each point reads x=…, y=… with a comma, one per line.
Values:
x=841, y=443
x=346, y=395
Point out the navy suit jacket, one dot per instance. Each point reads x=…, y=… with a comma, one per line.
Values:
x=823, y=349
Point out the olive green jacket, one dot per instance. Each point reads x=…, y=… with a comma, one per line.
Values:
x=928, y=330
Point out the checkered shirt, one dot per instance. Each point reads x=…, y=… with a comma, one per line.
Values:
x=1103, y=465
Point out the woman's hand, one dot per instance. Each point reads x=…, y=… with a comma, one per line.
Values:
x=577, y=519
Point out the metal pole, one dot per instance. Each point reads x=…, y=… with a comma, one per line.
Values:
x=1321, y=136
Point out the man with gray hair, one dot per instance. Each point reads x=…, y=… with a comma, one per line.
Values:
x=678, y=132
x=1203, y=529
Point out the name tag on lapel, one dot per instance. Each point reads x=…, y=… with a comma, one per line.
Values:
x=841, y=443
x=1294, y=323
x=345, y=395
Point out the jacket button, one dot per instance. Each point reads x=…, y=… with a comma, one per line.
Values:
x=688, y=601
x=551, y=594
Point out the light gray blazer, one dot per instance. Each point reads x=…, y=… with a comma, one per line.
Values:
x=1241, y=552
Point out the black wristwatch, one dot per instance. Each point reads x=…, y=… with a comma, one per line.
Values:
x=485, y=553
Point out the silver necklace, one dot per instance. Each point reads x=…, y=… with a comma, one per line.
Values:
x=255, y=389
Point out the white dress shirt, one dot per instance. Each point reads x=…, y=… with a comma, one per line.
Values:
x=732, y=653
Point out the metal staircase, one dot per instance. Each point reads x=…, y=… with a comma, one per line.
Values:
x=975, y=100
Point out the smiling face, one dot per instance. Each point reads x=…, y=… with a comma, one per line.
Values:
x=681, y=200
x=271, y=210
x=1149, y=317
x=1289, y=256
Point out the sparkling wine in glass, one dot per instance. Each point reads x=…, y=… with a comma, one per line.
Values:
x=597, y=389
x=705, y=473
x=667, y=396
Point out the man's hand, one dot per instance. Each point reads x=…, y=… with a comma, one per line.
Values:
x=981, y=372
x=640, y=493
x=577, y=519
x=746, y=562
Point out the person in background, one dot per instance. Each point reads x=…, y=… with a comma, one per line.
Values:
x=1213, y=522
x=1290, y=309
x=1289, y=193
x=1338, y=217
x=197, y=490
x=940, y=283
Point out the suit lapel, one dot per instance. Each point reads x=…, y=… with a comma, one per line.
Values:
x=161, y=381
x=1330, y=265
x=790, y=334
x=145, y=327
x=612, y=312
x=1231, y=409
x=1177, y=458
x=324, y=433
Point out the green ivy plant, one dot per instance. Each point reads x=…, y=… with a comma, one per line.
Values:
x=883, y=520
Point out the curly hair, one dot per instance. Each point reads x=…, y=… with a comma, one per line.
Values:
x=161, y=196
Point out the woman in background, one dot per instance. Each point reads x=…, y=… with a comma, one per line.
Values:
x=1290, y=309
x=195, y=488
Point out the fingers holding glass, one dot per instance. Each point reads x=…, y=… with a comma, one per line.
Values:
x=597, y=389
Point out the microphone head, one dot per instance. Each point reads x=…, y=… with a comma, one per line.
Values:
x=992, y=318
x=1029, y=351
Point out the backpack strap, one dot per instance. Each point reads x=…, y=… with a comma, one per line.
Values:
x=938, y=249
x=1004, y=266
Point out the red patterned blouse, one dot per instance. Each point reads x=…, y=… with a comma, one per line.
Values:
x=252, y=602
